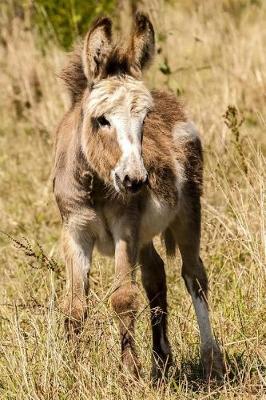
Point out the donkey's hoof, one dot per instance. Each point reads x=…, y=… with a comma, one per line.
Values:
x=73, y=328
x=160, y=368
x=213, y=362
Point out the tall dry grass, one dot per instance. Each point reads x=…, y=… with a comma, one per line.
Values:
x=213, y=54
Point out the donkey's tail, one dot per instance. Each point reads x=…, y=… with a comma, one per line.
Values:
x=170, y=243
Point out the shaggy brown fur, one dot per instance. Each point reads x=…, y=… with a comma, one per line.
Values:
x=159, y=153
x=104, y=79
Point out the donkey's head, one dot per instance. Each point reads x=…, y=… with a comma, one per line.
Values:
x=116, y=103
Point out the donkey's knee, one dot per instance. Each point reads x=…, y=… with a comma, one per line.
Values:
x=125, y=304
x=74, y=306
x=75, y=312
x=77, y=248
x=125, y=300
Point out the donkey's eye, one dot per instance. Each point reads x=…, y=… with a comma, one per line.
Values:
x=102, y=121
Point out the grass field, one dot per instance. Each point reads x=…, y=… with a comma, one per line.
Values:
x=213, y=54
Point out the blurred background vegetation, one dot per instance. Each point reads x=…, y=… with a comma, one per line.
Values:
x=60, y=20
x=64, y=20
x=211, y=54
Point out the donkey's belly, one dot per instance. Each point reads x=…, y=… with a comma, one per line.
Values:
x=105, y=246
x=155, y=220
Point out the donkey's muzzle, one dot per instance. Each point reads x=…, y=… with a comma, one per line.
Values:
x=130, y=185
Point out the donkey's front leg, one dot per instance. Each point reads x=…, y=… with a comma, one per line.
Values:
x=77, y=246
x=124, y=300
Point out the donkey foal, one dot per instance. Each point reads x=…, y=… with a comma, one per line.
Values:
x=128, y=166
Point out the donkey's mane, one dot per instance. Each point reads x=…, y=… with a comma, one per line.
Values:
x=74, y=77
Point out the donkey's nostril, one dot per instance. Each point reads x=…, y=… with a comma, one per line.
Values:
x=133, y=185
x=136, y=186
x=127, y=181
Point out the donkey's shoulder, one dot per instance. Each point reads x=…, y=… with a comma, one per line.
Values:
x=167, y=108
x=170, y=118
x=171, y=148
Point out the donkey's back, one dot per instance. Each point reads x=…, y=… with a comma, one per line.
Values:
x=128, y=167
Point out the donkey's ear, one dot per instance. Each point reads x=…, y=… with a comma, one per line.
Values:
x=143, y=41
x=96, y=49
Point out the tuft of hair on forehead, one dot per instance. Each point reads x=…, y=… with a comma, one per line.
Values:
x=114, y=93
x=73, y=75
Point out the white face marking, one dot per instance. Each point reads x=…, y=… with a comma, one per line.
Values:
x=202, y=314
x=124, y=103
x=129, y=132
x=128, y=126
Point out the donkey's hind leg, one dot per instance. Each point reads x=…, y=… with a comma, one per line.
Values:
x=154, y=282
x=77, y=248
x=186, y=230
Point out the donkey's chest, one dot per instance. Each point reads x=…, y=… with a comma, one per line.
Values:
x=141, y=227
x=155, y=219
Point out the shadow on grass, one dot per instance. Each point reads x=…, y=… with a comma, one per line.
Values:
x=190, y=375
x=241, y=370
